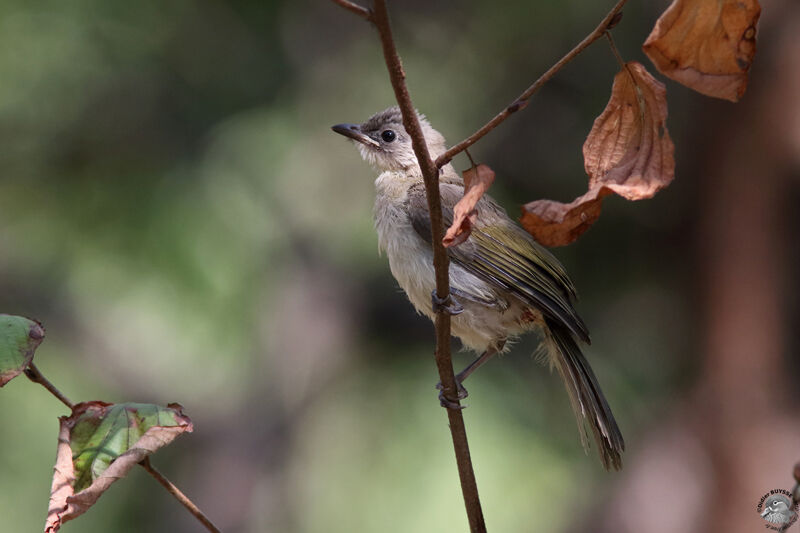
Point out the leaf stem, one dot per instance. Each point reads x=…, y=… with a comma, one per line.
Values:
x=361, y=11
x=471, y=162
x=615, y=51
x=180, y=496
x=522, y=101
x=35, y=375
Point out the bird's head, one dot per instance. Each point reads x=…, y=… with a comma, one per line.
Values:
x=384, y=142
x=779, y=505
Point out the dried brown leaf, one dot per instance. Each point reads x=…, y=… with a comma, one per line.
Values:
x=477, y=181
x=628, y=152
x=707, y=45
x=103, y=429
x=629, y=149
x=557, y=224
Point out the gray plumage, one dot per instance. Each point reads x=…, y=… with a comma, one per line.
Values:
x=505, y=282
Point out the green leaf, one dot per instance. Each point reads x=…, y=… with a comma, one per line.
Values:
x=99, y=444
x=19, y=338
x=103, y=432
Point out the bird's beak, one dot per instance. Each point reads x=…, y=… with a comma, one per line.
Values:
x=354, y=132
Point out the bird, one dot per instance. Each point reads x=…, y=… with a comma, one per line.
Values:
x=778, y=510
x=502, y=282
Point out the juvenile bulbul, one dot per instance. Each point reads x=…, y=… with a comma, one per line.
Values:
x=502, y=282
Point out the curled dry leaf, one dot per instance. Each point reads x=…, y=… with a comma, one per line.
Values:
x=98, y=444
x=19, y=338
x=707, y=45
x=629, y=149
x=557, y=224
x=477, y=181
x=628, y=152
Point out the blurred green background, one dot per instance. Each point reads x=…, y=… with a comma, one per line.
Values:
x=176, y=211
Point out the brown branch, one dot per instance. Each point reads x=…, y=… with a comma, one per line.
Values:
x=355, y=8
x=180, y=496
x=469, y=488
x=608, y=22
x=379, y=16
x=36, y=376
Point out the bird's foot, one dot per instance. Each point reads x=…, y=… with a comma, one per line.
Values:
x=461, y=393
x=447, y=305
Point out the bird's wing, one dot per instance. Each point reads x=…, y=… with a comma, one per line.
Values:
x=503, y=254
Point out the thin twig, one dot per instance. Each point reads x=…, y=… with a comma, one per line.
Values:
x=521, y=102
x=180, y=496
x=35, y=375
x=430, y=173
x=361, y=11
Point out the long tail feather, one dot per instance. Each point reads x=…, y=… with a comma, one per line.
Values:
x=585, y=395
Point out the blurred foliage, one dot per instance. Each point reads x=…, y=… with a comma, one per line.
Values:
x=177, y=213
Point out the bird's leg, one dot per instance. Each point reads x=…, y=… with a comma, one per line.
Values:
x=477, y=363
x=447, y=305
x=472, y=367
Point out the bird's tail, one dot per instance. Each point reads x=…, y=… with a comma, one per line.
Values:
x=588, y=402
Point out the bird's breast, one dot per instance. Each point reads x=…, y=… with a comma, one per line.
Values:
x=410, y=257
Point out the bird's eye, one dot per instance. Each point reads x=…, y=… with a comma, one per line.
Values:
x=388, y=136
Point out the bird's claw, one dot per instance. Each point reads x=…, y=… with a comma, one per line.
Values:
x=445, y=305
x=461, y=393
x=449, y=404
